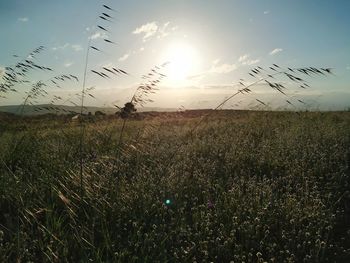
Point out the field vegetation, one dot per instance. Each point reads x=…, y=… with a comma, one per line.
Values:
x=244, y=186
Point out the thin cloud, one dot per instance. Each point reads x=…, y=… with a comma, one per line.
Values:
x=23, y=19
x=275, y=51
x=216, y=68
x=266, y=12
x=244, y=60
x=163, y=31
x=148, y=30
x=77, y=47
x=141, y=49
x=68, y=64
x=220, y=86
x=124, y=57
x=98, y=34
x=196, y=76
x=61, y=47
x=216, y=61
x=251, y=62
x=223, y=68
x=152, y=29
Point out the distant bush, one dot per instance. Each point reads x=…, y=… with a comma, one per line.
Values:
x=99, y=113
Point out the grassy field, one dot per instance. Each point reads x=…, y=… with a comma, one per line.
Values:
x=244, y=187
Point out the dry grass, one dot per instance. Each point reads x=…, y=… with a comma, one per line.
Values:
x=249, y=186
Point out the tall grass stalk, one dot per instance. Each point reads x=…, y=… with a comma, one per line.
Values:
x=255, y=72
x=81, y=122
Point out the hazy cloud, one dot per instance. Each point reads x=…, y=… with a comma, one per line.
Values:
x=165, y=30
x=219, y=86
x=68, y=64
x=141, y=49
x=147, y=30
x=251, y=62
x=124, y=57
x=216, y=68
x=196, y=76
x=77, y=47
x=223, y=68
x=216, y=61
x=98, y=34
x=23, y=19
x=244, y=60
x=152, y=29
x=61, y=47
x=275, y=51
x=266, y=12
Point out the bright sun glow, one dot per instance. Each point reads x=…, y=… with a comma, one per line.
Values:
x=182, y=60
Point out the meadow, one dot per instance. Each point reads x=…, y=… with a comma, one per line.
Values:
x=244, y=186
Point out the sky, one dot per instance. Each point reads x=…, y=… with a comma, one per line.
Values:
x=210, y=46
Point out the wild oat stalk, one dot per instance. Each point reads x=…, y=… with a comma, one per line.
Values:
x=18, y=74
x=269, y=77
x=104, y=72
x=40, y=90
x=141, y=95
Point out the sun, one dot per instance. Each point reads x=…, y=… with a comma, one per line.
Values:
x=183, y=61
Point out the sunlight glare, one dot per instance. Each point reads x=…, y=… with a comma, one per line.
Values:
x=182, y=59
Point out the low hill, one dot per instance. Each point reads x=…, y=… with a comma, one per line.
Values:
x=62, y=109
